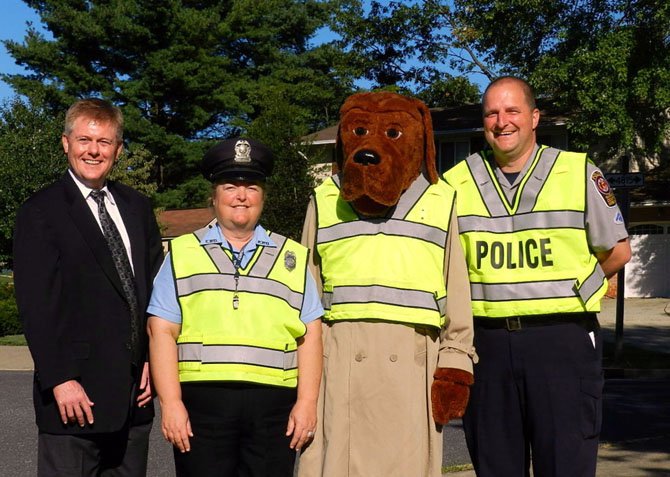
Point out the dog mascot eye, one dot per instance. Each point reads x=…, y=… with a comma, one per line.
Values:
x=393, y=133
x=360, y=131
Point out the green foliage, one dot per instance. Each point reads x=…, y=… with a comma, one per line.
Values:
x=606, y=61
x=9, y=313
x=413, y=44
x=280, y=127
x=194, y=191
x=182, y=71
x=134, y=168
x=451, y=91
x=31, y=157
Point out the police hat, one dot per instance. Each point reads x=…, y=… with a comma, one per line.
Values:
x=238, y=159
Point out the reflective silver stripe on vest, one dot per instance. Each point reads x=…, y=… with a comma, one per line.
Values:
x=408, y=199
x=490, y=197
x=523, y=291
x=381, y=294
x=592, y=284
x=216, y=281
x=238, y=354
x=518, y=222
x=529, y=189
x=394, y=226
x=442, y=305
x=539, y=175
x=262, y=266
x=391, y=227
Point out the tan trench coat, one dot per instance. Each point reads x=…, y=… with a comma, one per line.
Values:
x=374, y=411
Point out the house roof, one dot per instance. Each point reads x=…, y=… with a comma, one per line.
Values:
x=324, y=136
x=178, y=222
x=468, y=117
x=459, y=118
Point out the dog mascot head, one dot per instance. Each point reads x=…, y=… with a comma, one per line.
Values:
x=384, y=141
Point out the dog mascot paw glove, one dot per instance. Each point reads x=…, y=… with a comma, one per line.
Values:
x=450, y=393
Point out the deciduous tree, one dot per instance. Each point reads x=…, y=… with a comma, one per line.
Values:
x=31, y=157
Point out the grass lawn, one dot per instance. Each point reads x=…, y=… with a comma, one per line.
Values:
x=13, y=340
x=457, y=468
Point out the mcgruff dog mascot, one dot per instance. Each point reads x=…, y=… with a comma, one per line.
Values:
x=398, y=326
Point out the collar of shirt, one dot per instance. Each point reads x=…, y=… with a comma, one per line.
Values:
x=260, y=238
x=86, y=191
x=500, y=175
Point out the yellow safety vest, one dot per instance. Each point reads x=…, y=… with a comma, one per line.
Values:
x=254, y=340
x=532, y=256
x=389, y=269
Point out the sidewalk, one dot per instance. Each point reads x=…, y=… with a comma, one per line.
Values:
x=647, y=327
x=634, y=393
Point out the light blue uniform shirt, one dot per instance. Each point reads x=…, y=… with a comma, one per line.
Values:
x=164, y=302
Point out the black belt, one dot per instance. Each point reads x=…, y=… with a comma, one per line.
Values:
x=588, y=321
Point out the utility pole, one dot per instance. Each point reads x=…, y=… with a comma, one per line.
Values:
x=624, y=206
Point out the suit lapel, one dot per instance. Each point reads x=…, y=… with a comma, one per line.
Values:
x=83, y=219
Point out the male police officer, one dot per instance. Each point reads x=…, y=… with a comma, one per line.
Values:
x=541, y=232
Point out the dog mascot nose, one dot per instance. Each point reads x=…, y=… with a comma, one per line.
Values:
x=366, y=158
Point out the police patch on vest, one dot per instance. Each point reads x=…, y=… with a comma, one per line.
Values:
x=289, y=261
x=603, y=188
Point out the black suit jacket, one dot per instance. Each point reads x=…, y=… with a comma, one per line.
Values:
x=75, y=317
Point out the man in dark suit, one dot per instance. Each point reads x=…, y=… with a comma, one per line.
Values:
x=82, y=285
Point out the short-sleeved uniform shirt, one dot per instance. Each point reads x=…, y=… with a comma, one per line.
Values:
x=164, y=302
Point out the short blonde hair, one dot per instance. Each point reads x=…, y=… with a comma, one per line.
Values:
x=97, y=109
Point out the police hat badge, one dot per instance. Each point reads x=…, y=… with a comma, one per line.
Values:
x=289, y=261
x=242, y=151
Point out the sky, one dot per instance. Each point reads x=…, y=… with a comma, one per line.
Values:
x=13, y=26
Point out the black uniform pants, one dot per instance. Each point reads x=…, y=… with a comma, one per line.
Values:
x=239, y=431
x=537, y=392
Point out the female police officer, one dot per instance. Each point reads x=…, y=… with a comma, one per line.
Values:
x=235, y=333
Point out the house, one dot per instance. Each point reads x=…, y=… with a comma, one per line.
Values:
x=174, y=223
x=458, y=133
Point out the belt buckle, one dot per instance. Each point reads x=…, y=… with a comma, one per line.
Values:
x=513, y=324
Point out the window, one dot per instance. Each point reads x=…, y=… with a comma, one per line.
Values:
x=451, y=152
x=646, y=229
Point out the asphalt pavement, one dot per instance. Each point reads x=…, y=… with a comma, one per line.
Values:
x=635, y=438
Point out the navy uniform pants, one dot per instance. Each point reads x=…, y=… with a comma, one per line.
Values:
x=537, y=397
x=239, y=431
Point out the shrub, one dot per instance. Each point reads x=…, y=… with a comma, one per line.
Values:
x=9, y=313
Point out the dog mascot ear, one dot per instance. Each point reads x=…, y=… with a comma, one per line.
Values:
x=384, y=142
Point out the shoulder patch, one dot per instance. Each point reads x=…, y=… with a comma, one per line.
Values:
x=603, y=188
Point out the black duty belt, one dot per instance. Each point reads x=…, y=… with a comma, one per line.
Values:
x=588, y=321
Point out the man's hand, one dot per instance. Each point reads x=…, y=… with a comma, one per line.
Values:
x=146, y=393
x=73, y=403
